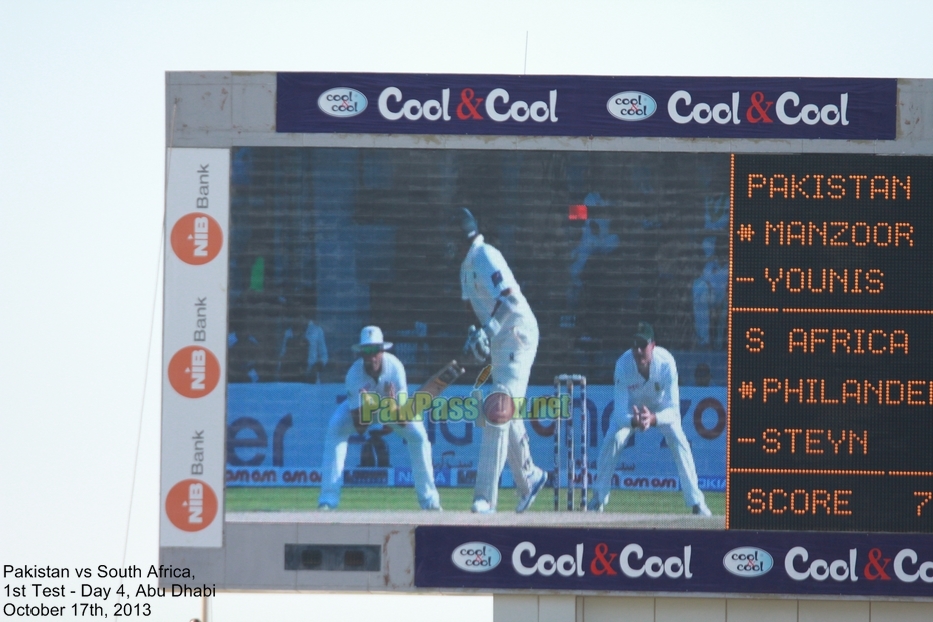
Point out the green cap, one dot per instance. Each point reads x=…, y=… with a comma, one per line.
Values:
x=645, y=331
x=467, y=222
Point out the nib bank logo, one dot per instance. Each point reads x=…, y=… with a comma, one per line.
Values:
x=197, y=238
x=191, y=505
x=194, y=371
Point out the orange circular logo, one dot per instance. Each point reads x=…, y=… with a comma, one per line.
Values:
x=191, y=505
x=197, y=238
x=194, y=371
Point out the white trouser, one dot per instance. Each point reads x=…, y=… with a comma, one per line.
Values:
x=341, y=428
x=619, y=429
x=513, y=353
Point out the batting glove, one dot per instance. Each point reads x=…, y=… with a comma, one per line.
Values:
x=477, y=344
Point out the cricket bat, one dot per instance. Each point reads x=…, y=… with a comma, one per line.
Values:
x=436, y=384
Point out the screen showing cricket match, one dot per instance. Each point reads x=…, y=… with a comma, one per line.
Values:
x=563, y=333
x=342, y=256
x=506, y=294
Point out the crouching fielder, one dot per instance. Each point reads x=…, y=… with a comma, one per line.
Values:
x=376, y=371
x=646, y=394
x=509, y=334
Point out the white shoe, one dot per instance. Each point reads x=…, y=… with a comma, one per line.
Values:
x=700, y=509
x=432, y=506
x=595, y=505
x=325, y=507
x=481, y=506
x=525, y=502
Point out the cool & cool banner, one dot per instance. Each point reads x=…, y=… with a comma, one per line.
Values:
x=825, y=108
x=502, y=558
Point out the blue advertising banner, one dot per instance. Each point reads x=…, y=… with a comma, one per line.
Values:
x=607, y=560
x=274, y=438
x=814, y=108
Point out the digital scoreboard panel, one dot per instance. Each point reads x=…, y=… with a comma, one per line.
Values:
x=831, y=343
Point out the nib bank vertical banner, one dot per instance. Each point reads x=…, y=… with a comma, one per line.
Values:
x=194, y=348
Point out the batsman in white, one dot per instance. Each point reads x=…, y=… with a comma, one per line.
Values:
x=376, y=371
x=646, y=394
x=509, y=333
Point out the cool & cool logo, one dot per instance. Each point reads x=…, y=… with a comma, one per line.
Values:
x=631, y=106
x=748, y=561
x=470, y=107
x=787, y=109
x=342, y=102
x=476, y=557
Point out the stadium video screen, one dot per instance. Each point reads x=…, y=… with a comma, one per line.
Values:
x=327, y=241
x=825, y=381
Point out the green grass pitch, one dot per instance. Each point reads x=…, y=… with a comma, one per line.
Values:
x=452, y=499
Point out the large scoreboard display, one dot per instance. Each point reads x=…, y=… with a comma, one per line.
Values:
x=769, y=241
x=830, y=359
